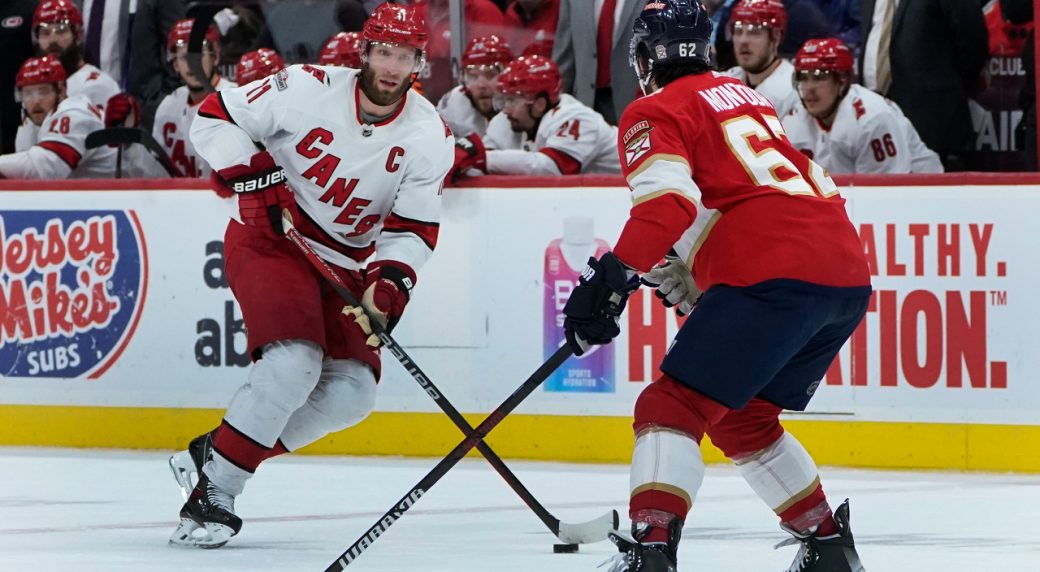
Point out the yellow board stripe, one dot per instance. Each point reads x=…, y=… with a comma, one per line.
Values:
x=539, y=437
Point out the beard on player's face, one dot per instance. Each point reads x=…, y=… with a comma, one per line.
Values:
x=70, y=56
x=375, y=91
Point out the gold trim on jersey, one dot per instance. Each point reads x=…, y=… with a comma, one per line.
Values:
x=653, y=159
x=651, y=196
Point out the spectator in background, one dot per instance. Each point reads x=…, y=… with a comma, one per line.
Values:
x=533, y=24
x=343, y=49
x=60, y=151
x=926, y=55
x=846, y=128
x=757, y=29
x=150, y=77
x=16, y=45
x=257, y=64
x=177, y=110
x=468, y=108
x=539, y=131
x=592, y=51
x=1019, y=13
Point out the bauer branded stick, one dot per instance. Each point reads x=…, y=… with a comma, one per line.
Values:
x=569, y=533
x=408, y=500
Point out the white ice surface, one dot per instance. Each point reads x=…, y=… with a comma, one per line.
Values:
x=109, y=511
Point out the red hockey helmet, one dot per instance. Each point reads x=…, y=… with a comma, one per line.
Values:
x=531, y=76
x=181, y=32
x=57, y=12
x=257, y=64
x=394, y=24
x=343, y=49
x=36, y=71
x=826, y=55
x=487, y=51
x=760, y=13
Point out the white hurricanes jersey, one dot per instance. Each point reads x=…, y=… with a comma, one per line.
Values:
x=458, y=112
x=363, y=189
x=777, y=87
x=61, y=150
x=95, y=84
x=171, y=126
x=573, y=135
x=870, y=134
x=28, y=133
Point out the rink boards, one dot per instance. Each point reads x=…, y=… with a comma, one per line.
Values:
x=117, y=328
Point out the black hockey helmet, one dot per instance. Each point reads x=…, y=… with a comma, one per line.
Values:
x=669, y=31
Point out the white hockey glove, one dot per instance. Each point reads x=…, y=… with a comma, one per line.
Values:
x=673, y=284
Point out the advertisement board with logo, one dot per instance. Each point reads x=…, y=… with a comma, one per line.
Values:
x=115, y=312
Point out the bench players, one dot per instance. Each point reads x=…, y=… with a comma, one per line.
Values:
x=539, y=130
x=758, y=30
x=845, y=127
x=467, y=108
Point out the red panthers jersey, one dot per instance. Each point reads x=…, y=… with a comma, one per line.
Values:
x=714, y=177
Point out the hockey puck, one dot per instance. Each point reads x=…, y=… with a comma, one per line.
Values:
x=564, y=548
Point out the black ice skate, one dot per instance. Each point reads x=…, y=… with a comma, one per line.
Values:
x=185, y=463
x=644, y=556
x=836, y=553
x=208, y=518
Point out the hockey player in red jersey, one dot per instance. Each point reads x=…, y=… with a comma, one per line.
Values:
x=468, y=107
x=723, y=198
x=357, y=161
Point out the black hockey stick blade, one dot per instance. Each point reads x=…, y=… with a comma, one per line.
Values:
x=595, y=530
x=130, y=136
x=451, y=459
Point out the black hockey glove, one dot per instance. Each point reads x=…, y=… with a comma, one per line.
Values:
x=594, y=307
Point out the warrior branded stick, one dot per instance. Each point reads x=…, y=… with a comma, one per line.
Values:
x=570, y=533
x=130, y=135
x=456, y=454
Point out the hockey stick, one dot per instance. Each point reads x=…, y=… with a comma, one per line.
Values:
x=577, y=533
x=130, y=135
x=450, y=460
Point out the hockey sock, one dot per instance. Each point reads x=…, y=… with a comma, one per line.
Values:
x=786, y=478
x=278, y=449
x=667, y=467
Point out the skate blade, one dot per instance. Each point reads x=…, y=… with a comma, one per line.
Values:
x=189, y=534
x=182, y=467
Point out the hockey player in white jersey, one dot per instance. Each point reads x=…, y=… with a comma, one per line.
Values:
x=539, y=131
x=358, y=162
x=467, y=108
x=177, y=110
x=845, y=127
x=758, y=28
x=63, y=124
x=57, y=31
